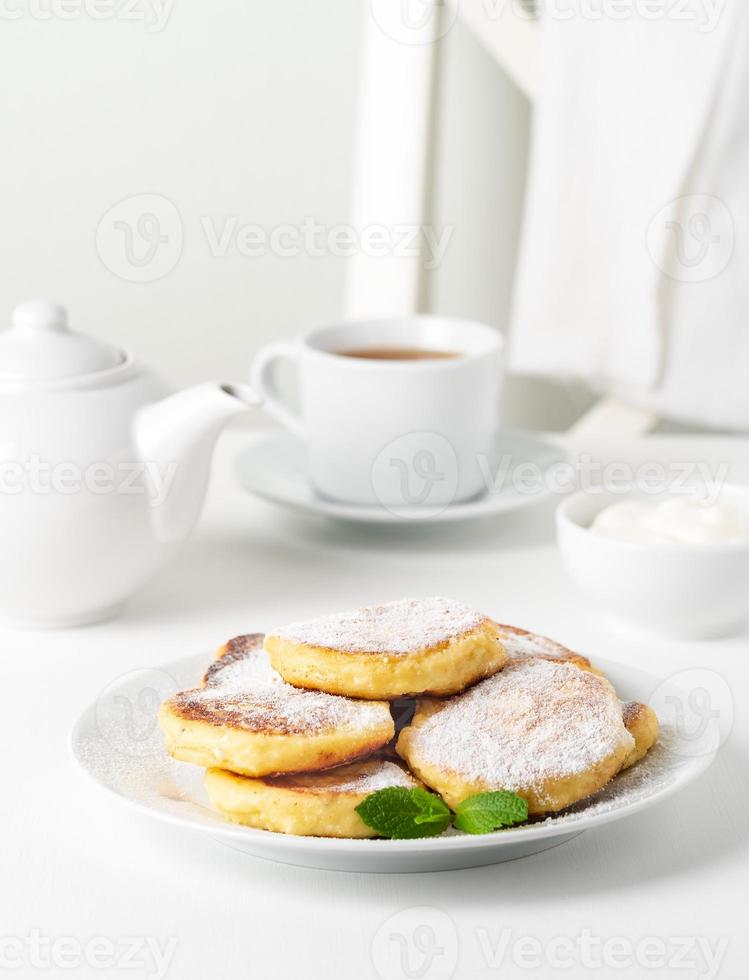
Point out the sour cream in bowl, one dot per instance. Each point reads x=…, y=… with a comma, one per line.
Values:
x=676, y=520
x=670, y=563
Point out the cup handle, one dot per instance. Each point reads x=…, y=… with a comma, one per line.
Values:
x=263, y=379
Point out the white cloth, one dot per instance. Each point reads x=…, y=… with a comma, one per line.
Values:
x=633, y=271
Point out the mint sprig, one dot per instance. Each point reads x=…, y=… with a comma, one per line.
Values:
x=485, y=812
x=403, y=814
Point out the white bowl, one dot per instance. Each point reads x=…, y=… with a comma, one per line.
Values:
x=680, y=591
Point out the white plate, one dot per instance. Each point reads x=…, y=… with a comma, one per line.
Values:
x=273, y=467
x=118, y=743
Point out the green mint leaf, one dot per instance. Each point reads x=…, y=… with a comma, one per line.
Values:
x=401, y=813
x=433, y=809
x=485, y=812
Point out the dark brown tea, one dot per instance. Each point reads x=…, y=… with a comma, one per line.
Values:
x=397, y=353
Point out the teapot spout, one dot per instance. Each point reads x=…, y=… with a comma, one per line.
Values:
x=175, y=438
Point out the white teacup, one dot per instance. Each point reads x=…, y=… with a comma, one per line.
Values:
x=410, y=434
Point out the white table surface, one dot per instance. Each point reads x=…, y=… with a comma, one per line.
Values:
x=76, y=865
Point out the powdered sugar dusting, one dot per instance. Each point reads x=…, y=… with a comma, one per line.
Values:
x=367, y=776
x=243, y=666
x=661, y=769
x=520, y=644
x=631, y=710
x=535, y=720
x=395, y=628
x=103, y=744
x=244, y=691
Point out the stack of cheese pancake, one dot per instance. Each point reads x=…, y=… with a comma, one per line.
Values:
x=296, y=728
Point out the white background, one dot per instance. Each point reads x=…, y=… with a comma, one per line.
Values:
x=236, y=109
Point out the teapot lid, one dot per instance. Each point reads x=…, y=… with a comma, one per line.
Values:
x=40, y=346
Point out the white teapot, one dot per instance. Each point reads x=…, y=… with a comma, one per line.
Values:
x=103, y=470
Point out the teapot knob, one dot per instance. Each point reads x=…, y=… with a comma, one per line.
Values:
x=40, y=315
x=41, y=346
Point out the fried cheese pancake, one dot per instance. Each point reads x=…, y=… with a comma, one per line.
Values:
x=550, y=732
x=522, y=645
x=247, y=719
x=642, y=724
x=639, y=719
x=412, y=646
x=321, y=804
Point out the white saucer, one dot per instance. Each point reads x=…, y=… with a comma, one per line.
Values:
x=118, y=743
x=273, y=467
